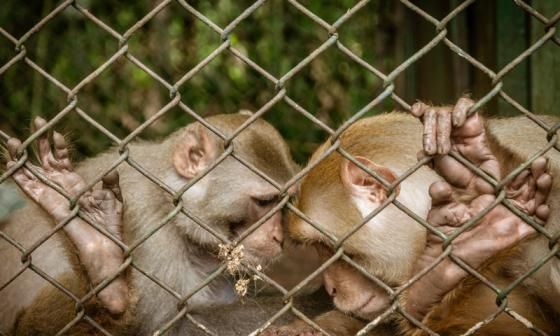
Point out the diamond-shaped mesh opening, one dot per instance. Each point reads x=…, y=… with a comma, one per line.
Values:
x=209, y=97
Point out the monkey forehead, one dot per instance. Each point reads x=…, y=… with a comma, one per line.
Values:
x=259, y=143
x=329, y=208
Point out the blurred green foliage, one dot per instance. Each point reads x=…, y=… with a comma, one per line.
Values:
x=277, y=37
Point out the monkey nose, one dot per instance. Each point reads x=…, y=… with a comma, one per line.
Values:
x=278, y=235
x=329, y=285
x=331, y=290
x=279, y=239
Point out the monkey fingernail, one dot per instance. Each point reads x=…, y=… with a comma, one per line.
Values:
x=430, y=149
x=417, y=109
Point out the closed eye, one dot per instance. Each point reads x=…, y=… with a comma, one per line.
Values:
x=266, y=200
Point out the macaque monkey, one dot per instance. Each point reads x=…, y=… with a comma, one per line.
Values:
x=338, y=195
x=132, y=209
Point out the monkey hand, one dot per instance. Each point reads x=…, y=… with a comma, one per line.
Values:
x=99, y=255
x=450, y=128
x=55, y=166
x=495, y=232
x=530, y=189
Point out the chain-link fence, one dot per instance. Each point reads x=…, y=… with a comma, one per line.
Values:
x=441, y=37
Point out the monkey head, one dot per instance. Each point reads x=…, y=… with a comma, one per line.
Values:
x=230, y=198
x=338, y=195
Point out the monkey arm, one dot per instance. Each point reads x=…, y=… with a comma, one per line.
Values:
x=528, y=191
x=99, y=255
x=496, y=231
x=53, y=310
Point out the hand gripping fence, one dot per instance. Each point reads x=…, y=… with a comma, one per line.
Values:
x=440, y=37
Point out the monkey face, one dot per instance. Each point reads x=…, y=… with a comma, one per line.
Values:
x=265, y=243
x=351, y=291
x=238, y=203
x=341, y=198
x=245, y=210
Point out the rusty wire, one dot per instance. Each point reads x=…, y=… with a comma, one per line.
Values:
x=332, y=41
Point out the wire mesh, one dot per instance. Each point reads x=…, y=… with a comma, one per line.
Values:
x=333, y=41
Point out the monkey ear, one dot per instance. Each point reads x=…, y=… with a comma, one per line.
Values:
x=194, y=152
x=362, y=184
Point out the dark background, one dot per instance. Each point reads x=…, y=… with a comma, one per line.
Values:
x=277, y=37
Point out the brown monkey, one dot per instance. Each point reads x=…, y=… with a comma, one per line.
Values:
x=338, y=195
x=180, y=254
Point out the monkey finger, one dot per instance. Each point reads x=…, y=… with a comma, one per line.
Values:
x=430, y=131
x=543, y=212
x=61, y=151
x=443, y=130
x=454, y=172
x=441, y=193
x=491, y=165
x=531, y=188
x=45, y=152
x=515, y=186
x=418, y=109
x=460, y=111
x=529, y=206
x=111, y=182
x=472, y=128
x=13, y=145
x=538, y=167
x=480, y=186
x=543, y=186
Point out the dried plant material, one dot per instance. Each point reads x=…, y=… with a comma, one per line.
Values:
x=232, y=256
x=241, y=287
